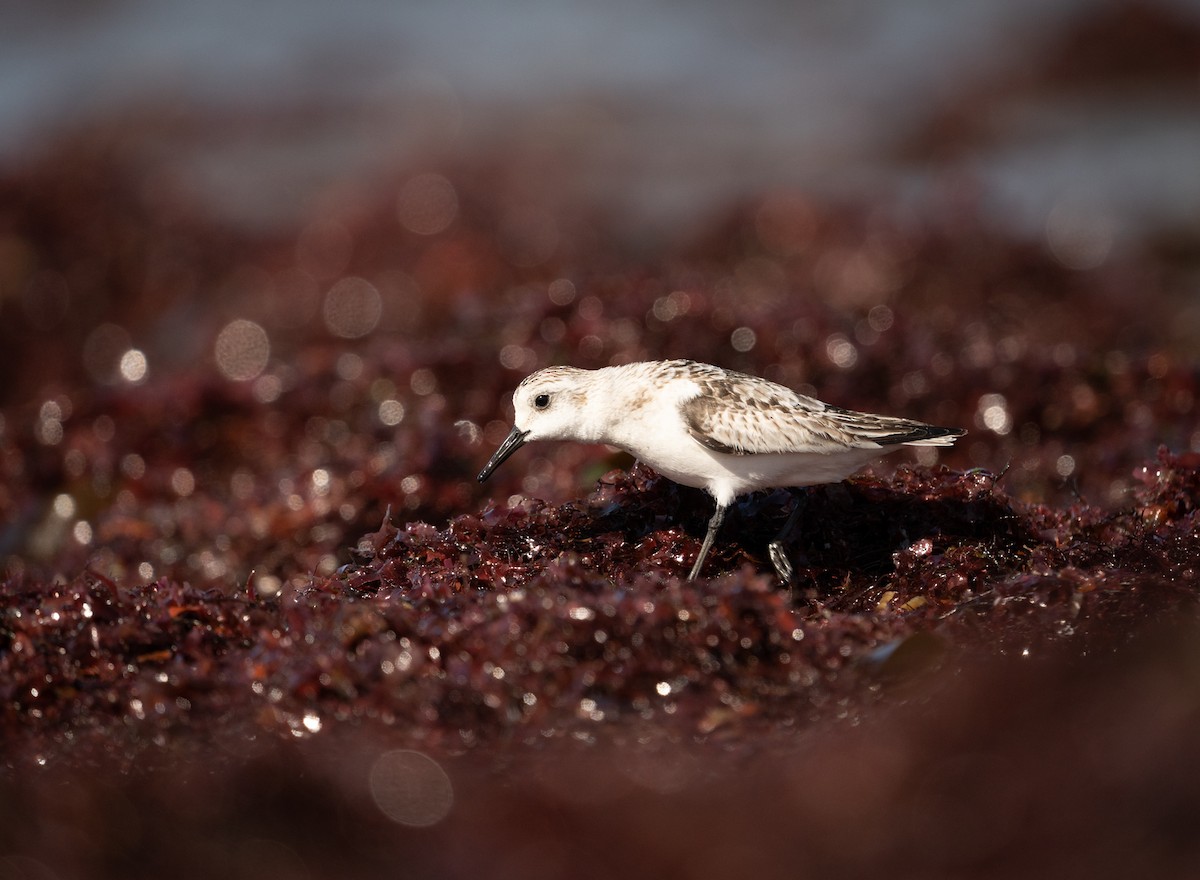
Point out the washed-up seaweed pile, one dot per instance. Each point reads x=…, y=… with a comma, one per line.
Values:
x=535, y=620
x=216, y=572
x=307, y=545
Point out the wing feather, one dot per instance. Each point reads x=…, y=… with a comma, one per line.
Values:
x=738, y=414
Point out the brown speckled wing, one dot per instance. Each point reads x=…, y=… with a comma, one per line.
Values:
x=744, y=415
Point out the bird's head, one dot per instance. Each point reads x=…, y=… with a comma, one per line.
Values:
x=548, y=405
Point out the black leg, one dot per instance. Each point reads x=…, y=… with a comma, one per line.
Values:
x=713, y=525
x=783, y=565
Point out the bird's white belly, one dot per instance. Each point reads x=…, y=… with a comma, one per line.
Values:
x=726, y=476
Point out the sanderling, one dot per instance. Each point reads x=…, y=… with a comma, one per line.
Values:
x=726, y=432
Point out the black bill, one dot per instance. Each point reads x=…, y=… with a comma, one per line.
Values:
x=513, y=442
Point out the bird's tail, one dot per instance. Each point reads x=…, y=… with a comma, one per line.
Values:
x=924, y=435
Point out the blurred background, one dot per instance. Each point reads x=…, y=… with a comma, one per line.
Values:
x=213, y=185
x=1072, y=119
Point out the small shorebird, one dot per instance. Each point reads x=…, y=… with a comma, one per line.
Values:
x=726, y=432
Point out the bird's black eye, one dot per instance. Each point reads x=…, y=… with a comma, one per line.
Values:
x=542, y=401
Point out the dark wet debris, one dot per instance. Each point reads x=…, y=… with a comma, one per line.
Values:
x=533, y=620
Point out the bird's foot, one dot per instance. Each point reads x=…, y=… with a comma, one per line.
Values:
x=783, y=565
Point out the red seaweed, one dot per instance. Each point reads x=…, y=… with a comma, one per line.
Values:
x=228, y=569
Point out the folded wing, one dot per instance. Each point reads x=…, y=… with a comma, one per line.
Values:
x=744, y=415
